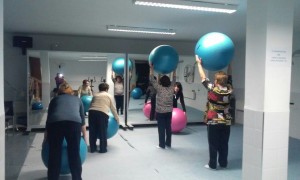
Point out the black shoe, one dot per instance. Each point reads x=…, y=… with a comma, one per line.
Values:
x=92, y=150
x=102, y=151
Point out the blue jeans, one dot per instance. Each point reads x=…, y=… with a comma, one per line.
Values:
x=164, y=128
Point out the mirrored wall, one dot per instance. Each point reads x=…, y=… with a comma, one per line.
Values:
x=45, y=66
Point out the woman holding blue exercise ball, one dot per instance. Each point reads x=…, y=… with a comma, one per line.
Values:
x=217, y=115
x=65, y=120
x=118, y=91
x=164, y=106
x=102, y=104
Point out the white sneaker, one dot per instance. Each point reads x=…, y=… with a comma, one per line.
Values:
x=207, y=167
x=168, y=147
x=159, y=147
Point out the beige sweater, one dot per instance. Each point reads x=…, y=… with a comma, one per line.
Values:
x=102, y=101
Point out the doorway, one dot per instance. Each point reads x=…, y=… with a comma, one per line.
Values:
x=142, y=73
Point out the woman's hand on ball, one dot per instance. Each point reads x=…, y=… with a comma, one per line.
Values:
x=198, y=60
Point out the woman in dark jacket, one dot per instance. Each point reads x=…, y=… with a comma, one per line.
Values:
x=65, y=120
x=178, y=94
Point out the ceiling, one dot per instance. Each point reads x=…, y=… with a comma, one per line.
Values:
x=90, y=18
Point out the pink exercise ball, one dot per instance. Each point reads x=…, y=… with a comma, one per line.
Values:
x=147, y=109
x=179, y=120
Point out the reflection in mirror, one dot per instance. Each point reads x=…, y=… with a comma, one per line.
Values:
x=74, y=67
x=191, y=91
x=77, y=66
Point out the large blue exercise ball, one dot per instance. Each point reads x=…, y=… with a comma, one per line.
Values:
x=113, y=126
x=64, y=168
x=86, y=101
x=216, y=51
x=136, y=93
x=119, y=64
x=164, y=59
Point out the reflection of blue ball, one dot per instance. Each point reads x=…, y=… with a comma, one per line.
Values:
x=119, y=64
x=64, y=168
x=37, y=106
x=86, y=101
x=136, y=93
x=113, y=126
x=216, y=50
x=164, y=59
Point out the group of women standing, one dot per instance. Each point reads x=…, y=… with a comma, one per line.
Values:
x=66, y=118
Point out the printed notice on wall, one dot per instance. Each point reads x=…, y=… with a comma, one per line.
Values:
x=279, y=57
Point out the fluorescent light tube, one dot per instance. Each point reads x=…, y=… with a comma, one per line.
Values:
x=91, y=60
x=190, y=5
x=141, y=30
x=93, y=57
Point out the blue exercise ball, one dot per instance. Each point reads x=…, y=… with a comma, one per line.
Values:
x=164, y=59
x=113, y=126
x=64, y=168
x=37, y=106
x=216, y=50
x=86, y=101
x=119, y=64
x=136, y=93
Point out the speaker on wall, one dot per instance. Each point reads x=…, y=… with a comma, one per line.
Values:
x=22, y=42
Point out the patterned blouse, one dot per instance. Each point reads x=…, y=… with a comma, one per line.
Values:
x=217, y=107
x=164, y=96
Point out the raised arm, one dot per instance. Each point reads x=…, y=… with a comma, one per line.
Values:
x=113, y=76
x=174, y=77
x=151, y=74
x=200, y=68
x=229, y=70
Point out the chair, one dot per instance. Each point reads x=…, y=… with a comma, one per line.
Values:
x=14, y=110
x=20, y=111
x=9, y=113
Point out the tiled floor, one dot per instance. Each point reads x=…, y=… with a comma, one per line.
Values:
x=133, y=155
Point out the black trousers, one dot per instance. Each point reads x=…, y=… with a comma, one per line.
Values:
x=164, y=128
x=153, y=104
x=119, y=103
x=218, y=138
x=57, y=131
x=98, y=122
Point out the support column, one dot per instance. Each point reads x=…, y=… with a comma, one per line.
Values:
x=45, y=68
x=267, y=89
x=2, y=113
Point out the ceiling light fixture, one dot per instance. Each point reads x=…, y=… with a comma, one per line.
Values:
x=198, y=5
x=141, y=30
x=94, y=57
x=91, y=60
